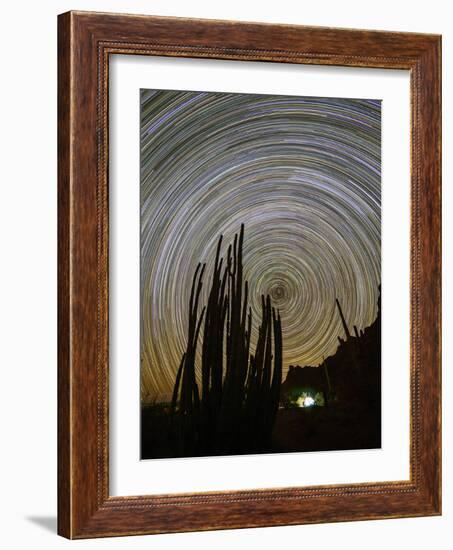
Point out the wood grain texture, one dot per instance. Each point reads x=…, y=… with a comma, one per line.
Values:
x=85, y=42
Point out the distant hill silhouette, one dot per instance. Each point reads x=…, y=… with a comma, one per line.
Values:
x=347, y=385
x=352, y=375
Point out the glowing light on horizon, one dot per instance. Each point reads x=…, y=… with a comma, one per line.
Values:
x=305, y=400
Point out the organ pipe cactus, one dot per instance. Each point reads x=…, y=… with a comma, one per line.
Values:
x=240, y=391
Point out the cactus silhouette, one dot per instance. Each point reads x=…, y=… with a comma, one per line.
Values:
x=236, y=408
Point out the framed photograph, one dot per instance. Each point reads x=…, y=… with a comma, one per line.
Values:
x=249, y=275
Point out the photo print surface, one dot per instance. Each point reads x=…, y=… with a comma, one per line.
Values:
x=260, y=273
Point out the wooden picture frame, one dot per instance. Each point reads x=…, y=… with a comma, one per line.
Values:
x=85, y=42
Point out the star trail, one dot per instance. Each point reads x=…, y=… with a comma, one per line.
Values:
x=304, y=176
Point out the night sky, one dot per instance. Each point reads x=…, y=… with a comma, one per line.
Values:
x=304, y=176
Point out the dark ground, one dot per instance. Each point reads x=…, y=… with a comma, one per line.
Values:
x=331, y=428
x=325, y=429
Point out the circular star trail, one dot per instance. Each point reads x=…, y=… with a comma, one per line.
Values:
x=301, y=173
